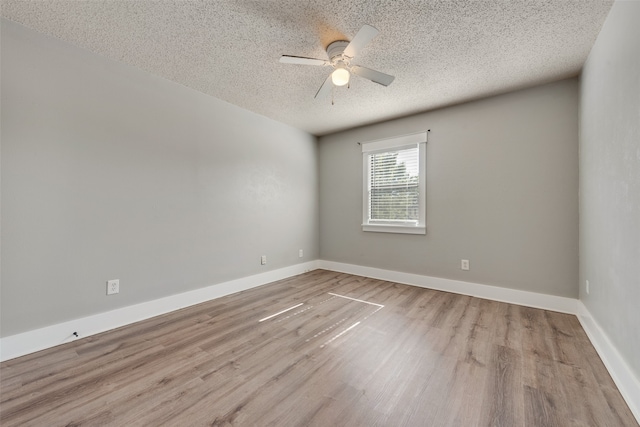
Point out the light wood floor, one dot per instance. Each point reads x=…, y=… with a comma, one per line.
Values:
x=426, y=358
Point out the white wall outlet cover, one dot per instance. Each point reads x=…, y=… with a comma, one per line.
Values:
x=263, y=259
x=113, y=286
x=464, y=264
x=300, y=253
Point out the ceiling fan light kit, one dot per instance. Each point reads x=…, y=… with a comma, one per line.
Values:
x=341, y=53
x=340, y=76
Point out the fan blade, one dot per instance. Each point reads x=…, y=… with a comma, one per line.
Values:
x=364, y=36
x=288, y=59
x=373, y=75
x=325, y=88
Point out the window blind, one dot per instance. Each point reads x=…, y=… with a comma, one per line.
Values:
x=394, y=186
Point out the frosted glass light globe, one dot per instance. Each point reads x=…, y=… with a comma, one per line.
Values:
x=340, y=76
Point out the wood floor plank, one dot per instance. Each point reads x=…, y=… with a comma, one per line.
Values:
x=354, y=351
x=431, y=392
x=504, y=401
x=506, y=325
x=539, y=409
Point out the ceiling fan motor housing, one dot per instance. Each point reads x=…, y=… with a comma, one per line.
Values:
x=336, y=49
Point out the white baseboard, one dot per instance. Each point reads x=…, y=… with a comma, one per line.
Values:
x=50, y=336
x=495, y=293
x=623, y=376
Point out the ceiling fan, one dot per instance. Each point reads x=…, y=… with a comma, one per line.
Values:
x=341, y=54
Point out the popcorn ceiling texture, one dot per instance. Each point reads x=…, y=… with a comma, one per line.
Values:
x=442, y=52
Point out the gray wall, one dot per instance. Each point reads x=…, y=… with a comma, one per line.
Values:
x=610, y=180
x=109, y=172
x=502, y=191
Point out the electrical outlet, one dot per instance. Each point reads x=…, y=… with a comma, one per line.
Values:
x=587, y=286
x=263, y=259
x=464, y=264
x=300, y=253
x=113, y=286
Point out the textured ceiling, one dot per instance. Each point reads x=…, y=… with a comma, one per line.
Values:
x=441, y=52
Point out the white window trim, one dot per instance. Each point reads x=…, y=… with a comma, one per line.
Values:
x=396, y=143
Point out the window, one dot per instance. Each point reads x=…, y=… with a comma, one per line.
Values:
x=394, y=184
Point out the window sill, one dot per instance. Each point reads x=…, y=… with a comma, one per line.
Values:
x=400, y=229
